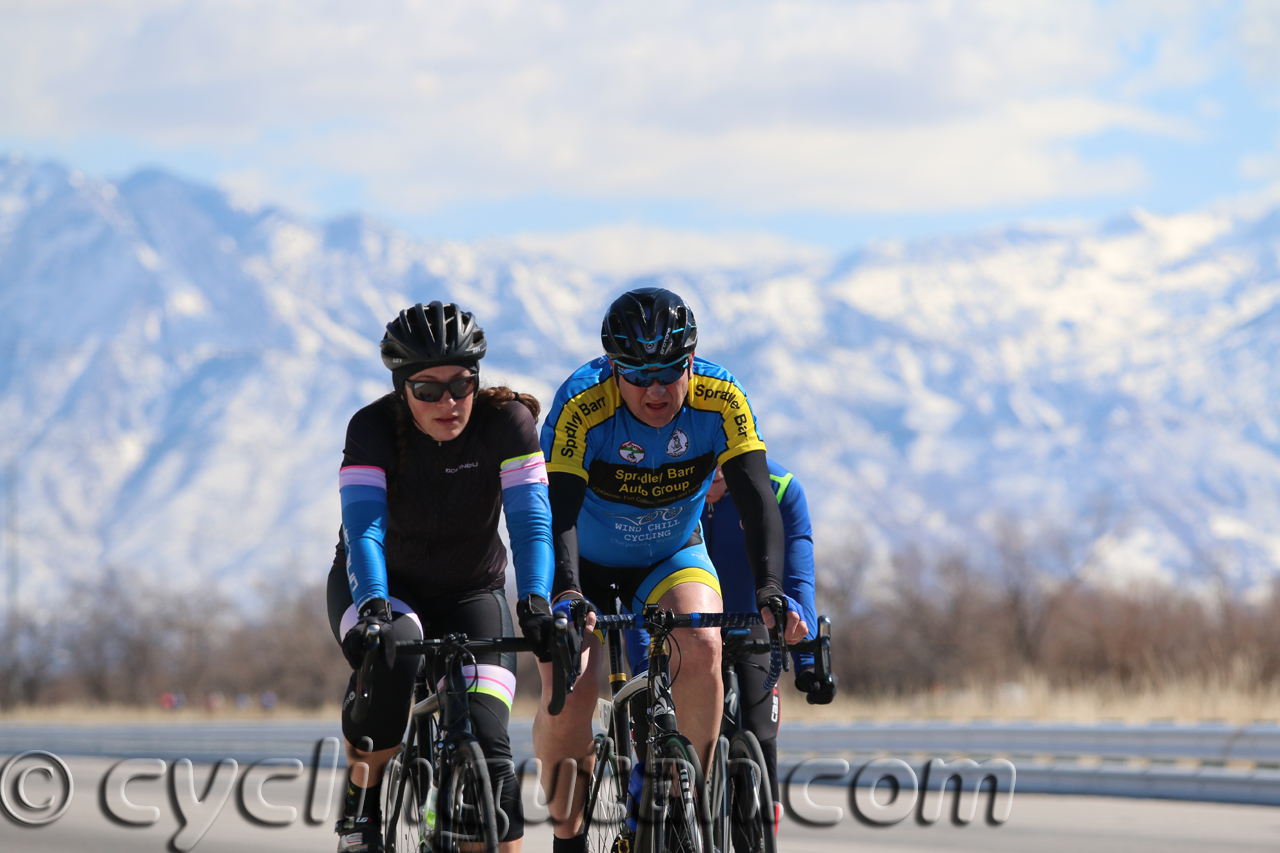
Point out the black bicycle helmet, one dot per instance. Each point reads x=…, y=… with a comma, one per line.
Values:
x=648, y=325
x=424, y=336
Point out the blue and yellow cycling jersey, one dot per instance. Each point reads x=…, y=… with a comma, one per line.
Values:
x=645, y=485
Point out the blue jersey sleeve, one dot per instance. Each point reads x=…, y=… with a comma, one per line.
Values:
x=527, y=505
x=363, y=490
x=798, y=571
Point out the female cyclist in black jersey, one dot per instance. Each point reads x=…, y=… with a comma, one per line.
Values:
x=425, y=473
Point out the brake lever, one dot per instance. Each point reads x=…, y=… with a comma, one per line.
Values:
x=570, y=666
x=559, y=669
x=779, y=608
x=372, y=640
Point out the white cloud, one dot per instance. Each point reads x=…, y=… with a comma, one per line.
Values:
x=1258, y=33
x=845, y=107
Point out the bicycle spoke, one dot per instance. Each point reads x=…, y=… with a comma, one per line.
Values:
x=605, y=812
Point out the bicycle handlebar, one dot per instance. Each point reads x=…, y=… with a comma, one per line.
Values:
x=561, y=665
x=666, y=620
x=819, y=646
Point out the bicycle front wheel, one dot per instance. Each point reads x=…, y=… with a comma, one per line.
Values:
x=751, y=814
x=669, y=821
x=465, y=816
x=718, y=794
x=407, y=784
x=606, y=806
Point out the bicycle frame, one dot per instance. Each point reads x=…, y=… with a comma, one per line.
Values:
x=660, y=712
x=622, y=749
x=443, y=715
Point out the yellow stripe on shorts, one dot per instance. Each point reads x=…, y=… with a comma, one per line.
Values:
x=689, y=575
x=489, y=691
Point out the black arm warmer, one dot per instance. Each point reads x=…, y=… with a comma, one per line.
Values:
x=747, y=477
x=567, y=492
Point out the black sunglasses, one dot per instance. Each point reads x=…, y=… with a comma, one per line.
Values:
x=432, y=392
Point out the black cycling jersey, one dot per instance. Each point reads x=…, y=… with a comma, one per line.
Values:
x=441, y=533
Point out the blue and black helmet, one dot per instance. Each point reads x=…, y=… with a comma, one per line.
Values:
x=648, y=326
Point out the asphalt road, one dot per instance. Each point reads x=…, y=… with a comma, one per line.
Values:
x=1041, y=823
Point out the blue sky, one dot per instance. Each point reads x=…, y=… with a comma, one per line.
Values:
x=819, y=122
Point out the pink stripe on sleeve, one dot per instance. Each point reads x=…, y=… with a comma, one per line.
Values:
x=535, y=472
x=362, y=475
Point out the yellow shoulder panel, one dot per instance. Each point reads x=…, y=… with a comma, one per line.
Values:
x=709, y=394
x=582, y=412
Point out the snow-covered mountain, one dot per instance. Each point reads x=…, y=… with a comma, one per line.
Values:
x=176, y=375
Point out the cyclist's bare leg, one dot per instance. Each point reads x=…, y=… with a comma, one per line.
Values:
x=695, y=667
x=568, y=736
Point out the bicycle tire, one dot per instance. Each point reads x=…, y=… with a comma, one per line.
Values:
x=407, y=784
x=669, y=821
x=465, y=813
x=605, y=810
x=751, y=812
x=718, y=794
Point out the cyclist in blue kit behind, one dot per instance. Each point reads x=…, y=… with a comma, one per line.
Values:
x=632, y=441
x=722, y=529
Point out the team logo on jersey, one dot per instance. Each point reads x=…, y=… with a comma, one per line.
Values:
x=677, y=444
x=670, y=513
x=631, y=452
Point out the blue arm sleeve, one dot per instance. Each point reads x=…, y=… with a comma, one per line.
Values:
x=364, y=529
x=528, y=510
x=798, y=571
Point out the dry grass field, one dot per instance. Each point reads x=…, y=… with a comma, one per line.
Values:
x=1178, y=702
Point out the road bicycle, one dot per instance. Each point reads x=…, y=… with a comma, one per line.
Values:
x=438, y=797
x=744, y=817
x=674, y=813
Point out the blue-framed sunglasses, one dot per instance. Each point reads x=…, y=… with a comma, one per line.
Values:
x=642, y=377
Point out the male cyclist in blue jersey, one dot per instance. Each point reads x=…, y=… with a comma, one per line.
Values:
x=723, y=532
x=632, y=441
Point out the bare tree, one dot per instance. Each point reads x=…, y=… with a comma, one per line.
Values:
x=1038, y=577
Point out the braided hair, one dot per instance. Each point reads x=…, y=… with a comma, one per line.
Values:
x=499, y=395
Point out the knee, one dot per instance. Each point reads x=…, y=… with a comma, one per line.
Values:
x=700, y=648
x=583, y=698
